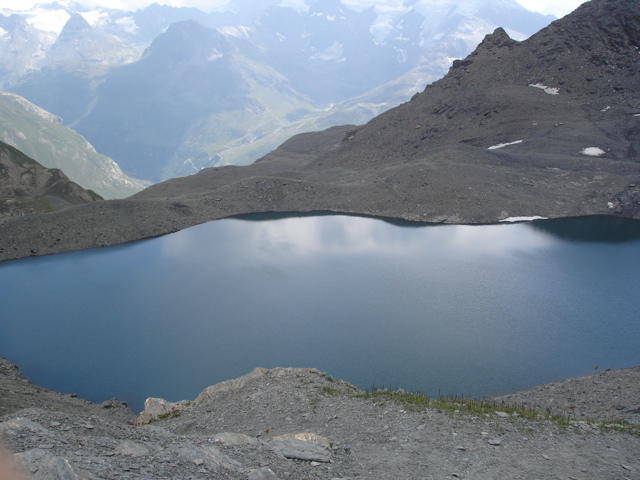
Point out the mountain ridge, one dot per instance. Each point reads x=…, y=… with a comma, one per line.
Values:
x=510, y=131
x=41, y=135
x=26, y=187
x=327, y=58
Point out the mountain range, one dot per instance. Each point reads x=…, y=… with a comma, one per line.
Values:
x=167, y=91
x=546, y=127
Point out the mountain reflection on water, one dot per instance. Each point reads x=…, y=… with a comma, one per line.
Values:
x=468, y=310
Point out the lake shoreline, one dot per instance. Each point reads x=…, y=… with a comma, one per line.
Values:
x=605, y=395
x=326, y=422
x=103, y=224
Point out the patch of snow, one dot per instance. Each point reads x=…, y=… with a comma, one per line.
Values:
x=611, y=205
x=214, y=55
x=298, y=5
x=47, y=20
x=331, y=18
x=523, y=219
x=637, y=115
x=3, y=32
x=549, y=90
x=592, y=151
x=500, y=145
x=472, y=31
x=438, y=36
x=334, y=52
x=95, y=17
x=128, y=24
x=402, y=54
x=605, y=109
x=238, y=31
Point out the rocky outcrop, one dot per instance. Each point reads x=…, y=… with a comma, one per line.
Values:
x=28, y=187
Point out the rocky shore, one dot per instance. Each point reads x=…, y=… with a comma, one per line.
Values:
x=292, y=423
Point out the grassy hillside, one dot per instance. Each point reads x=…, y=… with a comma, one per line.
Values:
x=41, y=136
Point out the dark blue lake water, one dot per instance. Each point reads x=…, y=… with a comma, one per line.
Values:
x=467, y=310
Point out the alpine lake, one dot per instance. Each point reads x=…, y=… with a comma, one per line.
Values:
x=447, y=310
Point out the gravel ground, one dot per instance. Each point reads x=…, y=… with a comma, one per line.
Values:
x=300, y=423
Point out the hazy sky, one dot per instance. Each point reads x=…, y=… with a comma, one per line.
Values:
x=555, y=7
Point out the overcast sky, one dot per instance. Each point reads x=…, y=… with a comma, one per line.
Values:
x=558, y=8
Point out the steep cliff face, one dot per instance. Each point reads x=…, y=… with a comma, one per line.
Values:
x=28, y=187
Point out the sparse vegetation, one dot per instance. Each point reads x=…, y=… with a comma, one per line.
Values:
x=472, y=406
x=330, y=391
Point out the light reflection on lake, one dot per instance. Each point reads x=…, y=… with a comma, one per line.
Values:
x=444, y=309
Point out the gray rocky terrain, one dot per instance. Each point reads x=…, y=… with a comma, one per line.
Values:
x=546, y=127
x=300, y=423
x=27, y=187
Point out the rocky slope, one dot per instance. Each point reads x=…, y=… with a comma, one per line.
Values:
x=300, y=423
x=27, y=187
x=546, y=127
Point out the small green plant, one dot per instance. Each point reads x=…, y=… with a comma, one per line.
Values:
x=175, y=412
x=330, y=391
x=170, y=414
x=455, y=404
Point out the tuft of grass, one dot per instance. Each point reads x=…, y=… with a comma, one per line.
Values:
x=482, y=408
x=330, y=391
x=456, y=404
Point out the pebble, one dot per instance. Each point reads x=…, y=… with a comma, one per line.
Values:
x=495, y=442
